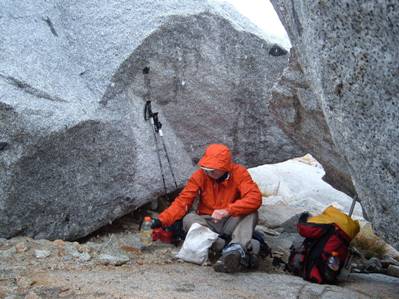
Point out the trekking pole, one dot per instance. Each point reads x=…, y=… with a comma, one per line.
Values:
x=157, y=129
x=353, y=205
x=156, y=120
x=149, y=115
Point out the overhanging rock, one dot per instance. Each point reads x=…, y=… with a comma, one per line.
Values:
x=75, y=151
x=349, y=54
x=299, y=114
x=212, y=82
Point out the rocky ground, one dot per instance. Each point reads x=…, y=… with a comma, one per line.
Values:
x=113, y=264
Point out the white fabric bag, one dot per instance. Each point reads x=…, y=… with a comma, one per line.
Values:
x=195, y=247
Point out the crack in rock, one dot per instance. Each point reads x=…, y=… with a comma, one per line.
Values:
x=50, y=24
x=30, y=89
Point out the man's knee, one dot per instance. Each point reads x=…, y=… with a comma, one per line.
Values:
x=251, y=218
x=191, y=218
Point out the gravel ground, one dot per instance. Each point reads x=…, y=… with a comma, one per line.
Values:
x=114, y=264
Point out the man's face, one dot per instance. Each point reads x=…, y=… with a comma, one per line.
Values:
x=214, y=173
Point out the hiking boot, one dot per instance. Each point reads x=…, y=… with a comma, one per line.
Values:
x=253, y=262
x=228, y=262
x=264, y=249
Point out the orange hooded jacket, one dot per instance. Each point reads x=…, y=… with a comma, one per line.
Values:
x=238, y=193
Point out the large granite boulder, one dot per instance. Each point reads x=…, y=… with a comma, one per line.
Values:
x=75, y=150
x=299, y=114
x=211, y=82
x=349, y=54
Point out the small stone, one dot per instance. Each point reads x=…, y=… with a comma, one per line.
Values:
x=23, y=282
x=70, y=249
x=82, y=248
x=387, y=260
x=373, y=265
x=65, y=292
x=107, y=259
x=59, y=243
x=269, y=231
x=61, y=252
x=8, y=252
x=278, y=254
x=32, y=295
x=392, y=252
x=67, y=258
x=21, y=247
x=393, y=270
x=84, y=257
x=94, y=247
x=41, y=254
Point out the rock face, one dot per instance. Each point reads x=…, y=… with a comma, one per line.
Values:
x=349, y=55
x=299, y=114
x=211, y=82
x=75, y=151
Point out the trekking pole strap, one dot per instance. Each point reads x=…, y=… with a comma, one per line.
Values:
x=147, y=111
x=157, y=123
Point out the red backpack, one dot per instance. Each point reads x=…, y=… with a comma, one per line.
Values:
x=321, y=256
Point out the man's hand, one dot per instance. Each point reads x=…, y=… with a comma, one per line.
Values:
x=220, y=214
x=156, y=223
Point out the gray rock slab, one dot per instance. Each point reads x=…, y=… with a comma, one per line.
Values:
x=289, y=226
x=349, y=55
x=115, y=260
x=210, y=82
x=186, y=281
x=299, y=114
x=41, y=253
x=274, y=215
x=373, y=285
x=282, y=242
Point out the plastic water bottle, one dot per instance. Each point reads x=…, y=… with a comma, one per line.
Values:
x=146, y=231
x=333, y=261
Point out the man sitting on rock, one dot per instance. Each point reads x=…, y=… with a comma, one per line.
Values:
x=228, y=204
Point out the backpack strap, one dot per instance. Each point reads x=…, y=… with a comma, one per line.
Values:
x=314, y=250
x=342, y=236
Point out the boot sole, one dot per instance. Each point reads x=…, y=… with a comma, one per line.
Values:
x=229, y=264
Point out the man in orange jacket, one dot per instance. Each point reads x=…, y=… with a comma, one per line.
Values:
x=228, y=204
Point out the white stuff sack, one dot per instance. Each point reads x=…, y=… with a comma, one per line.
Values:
x=195, y=247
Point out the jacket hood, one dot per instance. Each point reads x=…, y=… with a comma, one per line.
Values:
x=217, y=156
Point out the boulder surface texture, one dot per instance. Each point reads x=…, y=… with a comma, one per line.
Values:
x=75, y=150
x=348, y=51
x=299, y=114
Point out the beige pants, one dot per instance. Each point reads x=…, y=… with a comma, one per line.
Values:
x=239, y=228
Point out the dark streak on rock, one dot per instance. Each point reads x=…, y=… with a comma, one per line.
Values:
x=339, y=89
x=3, y=145
x=276, y=50
x=50, y=24
x=389, y=169
x=296, y=20
x=31, y=90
